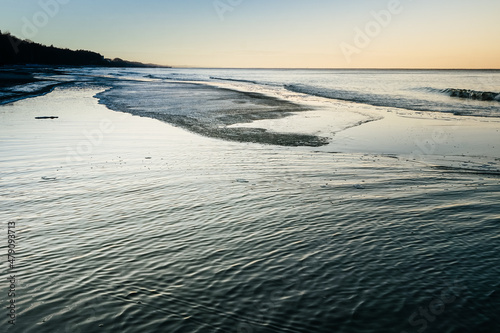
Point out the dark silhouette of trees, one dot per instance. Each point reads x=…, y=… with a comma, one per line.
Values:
x=14, y=51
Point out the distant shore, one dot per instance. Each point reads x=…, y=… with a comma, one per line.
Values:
x=16, y=51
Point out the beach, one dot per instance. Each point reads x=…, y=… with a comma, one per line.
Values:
x=161, y=202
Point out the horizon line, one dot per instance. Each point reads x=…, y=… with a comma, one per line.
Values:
x=336, y=68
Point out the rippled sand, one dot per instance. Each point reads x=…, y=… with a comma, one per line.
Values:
x=128, y=224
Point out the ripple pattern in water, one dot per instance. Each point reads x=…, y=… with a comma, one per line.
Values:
x=158, y=230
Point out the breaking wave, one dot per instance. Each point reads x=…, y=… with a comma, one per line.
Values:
x=472, y=94
x=415, y=102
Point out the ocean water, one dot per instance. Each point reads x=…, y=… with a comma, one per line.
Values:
x=460, y=92
x=130, y=224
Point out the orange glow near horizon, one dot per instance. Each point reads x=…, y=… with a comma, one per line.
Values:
x=278, y=34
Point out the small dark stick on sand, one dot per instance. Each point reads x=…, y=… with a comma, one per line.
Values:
x=47, y=117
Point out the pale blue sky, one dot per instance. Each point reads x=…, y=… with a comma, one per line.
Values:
x=266, y=33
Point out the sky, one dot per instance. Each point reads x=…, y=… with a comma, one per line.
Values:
x=268, y=33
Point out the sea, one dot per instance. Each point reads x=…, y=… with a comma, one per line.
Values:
x=250, y=200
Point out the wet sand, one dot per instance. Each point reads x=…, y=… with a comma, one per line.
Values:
x=209, y=110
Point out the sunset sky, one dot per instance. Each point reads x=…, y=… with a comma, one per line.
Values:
x=268, y=33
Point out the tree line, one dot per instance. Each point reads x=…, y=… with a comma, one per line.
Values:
x=14, y=51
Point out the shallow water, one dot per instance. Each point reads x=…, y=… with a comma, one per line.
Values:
x=127, y=224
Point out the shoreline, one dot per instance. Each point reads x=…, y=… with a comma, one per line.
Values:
x=14, y=76
x=229, y=112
